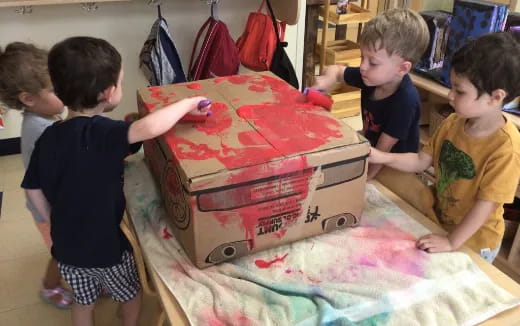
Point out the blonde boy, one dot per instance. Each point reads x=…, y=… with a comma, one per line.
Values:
x=391, y=44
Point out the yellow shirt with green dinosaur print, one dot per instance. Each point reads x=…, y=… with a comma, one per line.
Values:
x=468, y=169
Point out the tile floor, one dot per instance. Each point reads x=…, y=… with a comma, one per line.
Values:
x=23, y=257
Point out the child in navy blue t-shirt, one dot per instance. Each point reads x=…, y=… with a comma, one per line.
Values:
x=75, y=176
x=391, y=44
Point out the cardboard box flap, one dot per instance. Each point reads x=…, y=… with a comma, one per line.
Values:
x=257, y=118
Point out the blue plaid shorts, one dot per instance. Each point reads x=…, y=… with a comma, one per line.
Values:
x=121, y=280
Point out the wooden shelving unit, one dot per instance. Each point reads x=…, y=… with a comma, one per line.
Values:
x=356, y=14
x=17, y=3
x=344, y=52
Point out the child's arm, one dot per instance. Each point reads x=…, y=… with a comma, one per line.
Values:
x=384, y=144
x=160, y=121
x=407, y=162
x=330, y=76
x=39, y=201
x=470, y=224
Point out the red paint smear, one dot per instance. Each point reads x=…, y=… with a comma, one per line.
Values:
x=235, y=79
x=217, y=122
x=288, y=271
x=251, y=214
x=194, y=86
x=280, y=234
x=224, y=318
x=236, y=99
x=166, y=234
x=291, y=130
x=257, y=88
x=266, y=264
x=295, y=188
x=312, y=279
x=251, y=138
x=389, y=248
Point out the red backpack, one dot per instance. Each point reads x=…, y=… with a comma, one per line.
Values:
x=258, y=42
x=218, y=55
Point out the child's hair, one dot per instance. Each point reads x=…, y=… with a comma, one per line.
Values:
x=81, y=68
x=23, y=68
x=490, y=62
x=400, y=31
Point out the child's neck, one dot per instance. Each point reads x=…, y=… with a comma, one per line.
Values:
x=85, y=112
x=385, y=90
x=486, y=125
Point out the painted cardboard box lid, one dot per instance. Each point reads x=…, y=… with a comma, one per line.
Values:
x=257, y=118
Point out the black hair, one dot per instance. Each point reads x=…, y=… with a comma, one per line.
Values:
x=491, y=62
x=81, y=68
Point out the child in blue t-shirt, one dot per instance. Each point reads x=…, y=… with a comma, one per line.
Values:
x=75, y=175
x=391, y=44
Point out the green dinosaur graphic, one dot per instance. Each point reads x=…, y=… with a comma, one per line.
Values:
x=453, y=164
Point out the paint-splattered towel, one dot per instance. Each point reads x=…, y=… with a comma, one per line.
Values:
x=369, y=275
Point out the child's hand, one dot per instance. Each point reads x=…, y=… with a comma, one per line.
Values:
x=434, y=243
x=375, y=156
x=199, y=106
x=326, y=81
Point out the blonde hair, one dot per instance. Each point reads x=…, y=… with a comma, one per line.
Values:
x=23, y=68
x=399, y=31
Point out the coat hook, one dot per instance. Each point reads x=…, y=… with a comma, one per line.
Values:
x=23, y=10
x=89, y=6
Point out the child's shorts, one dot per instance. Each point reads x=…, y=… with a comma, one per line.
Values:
x=122, y=280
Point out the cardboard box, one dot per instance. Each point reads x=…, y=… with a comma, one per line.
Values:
x=264, y=170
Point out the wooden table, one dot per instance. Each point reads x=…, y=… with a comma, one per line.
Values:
x=176, y=316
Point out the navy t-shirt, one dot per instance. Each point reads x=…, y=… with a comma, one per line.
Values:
x=79, y=165
x=396, y=115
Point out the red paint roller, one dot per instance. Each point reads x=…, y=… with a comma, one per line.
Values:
x=317, y=98
x=190, y=118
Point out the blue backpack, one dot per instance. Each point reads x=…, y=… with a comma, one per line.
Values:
x=159, y=59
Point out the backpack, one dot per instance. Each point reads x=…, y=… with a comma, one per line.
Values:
x=281, y=65
x=159, y=59
x=218, y=55
x=259, y=40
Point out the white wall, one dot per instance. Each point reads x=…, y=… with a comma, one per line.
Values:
x=126, y=25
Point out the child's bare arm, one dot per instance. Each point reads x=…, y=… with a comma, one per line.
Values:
x=407, y=162
x=330, y=76
x=160, y=121
x=470, y=224
x=384, y=144
x=39, y=201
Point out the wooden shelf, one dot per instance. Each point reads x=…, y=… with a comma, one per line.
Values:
x=355, y=15
x=343, y=52
x=17, y=3
x=347, y=101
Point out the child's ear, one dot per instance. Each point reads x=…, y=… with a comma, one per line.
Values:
x=405, y=67
x=107, y=94
x=27, y=99
x=497, y=96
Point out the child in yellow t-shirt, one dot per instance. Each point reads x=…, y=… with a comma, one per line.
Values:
x=476, y=150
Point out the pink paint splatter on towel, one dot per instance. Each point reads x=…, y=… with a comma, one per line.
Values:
x=266, y=264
